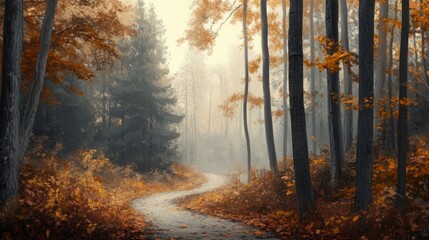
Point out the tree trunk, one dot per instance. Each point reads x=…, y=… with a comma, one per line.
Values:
x=266, y=88
x=39, y=77
x=403, y=111
x=246, y=90
x=10, y=92
x=304, y=188
x=380, y=76
x=285, y=72
x=364, y=159
x=348, y=83
x=334, y=114
x=194, y=116
x=392, y=126
x=312, y=81
x=423, y=38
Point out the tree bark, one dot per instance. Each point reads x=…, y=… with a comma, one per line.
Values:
x=380, y=76
x=403, y=110
x=334, y=114
x=10, y=93
x=266, y=89
x=348, y=83
x=312, y=79
x=246, y=90
x=364, y=159
x=39, y=77
x=392, y=126
x=304, y=188
x=285, y=72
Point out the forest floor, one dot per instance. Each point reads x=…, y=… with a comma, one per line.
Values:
x=269, y=202
x=169, y=221
x=85, y=197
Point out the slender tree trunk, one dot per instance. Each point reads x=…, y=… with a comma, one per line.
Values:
x=334, y=114
x=403, y=110
x=348, y=83
x=364, y=159
x=304, y=188
x=39, y=77
x=285, y=73
x=10, y=92
x=210, y=113
x=424, y=57
x=246, y=90
x=194, y=116
x=380, y=76
x=312, y=81
x=266, y=88
x=392, y=126
x=186, y=125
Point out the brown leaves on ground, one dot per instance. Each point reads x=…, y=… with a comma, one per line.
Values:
x=85, y=197
x=269, y=203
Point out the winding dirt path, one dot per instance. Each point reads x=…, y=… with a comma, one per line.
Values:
x=171, y=222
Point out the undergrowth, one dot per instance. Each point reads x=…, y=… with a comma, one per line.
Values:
x=84, y=197
x=269, y=202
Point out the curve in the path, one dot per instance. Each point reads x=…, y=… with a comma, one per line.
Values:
x=171, y=222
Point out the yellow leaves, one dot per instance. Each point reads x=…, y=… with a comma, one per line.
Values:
x=85, y=196
x=230, y=105
x=334, y=54
x=254, y=65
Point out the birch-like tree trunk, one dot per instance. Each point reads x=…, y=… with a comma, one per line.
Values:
x=312, y=79
x=285, y=73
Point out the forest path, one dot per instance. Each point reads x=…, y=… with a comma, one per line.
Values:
x=172, y=222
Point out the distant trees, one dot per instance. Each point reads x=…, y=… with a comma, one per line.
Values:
x=10, y=93
x=364, y=158
x=304, y=189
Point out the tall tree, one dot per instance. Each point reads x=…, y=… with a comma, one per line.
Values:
x=10, y=92
x=39, y=76
x=380, y=75
x=348, y=83
x=403, y=110
x=304, y=188
x=266, y=89
x=285, y=72
x=334, y=113
x=312, y=77
x=392, y=127
x=246, y=89
x=364, y=159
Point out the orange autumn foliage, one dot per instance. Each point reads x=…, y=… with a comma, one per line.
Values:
x=84, y=197
x=269, y=203
x=230, y=105
x=83, y=41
